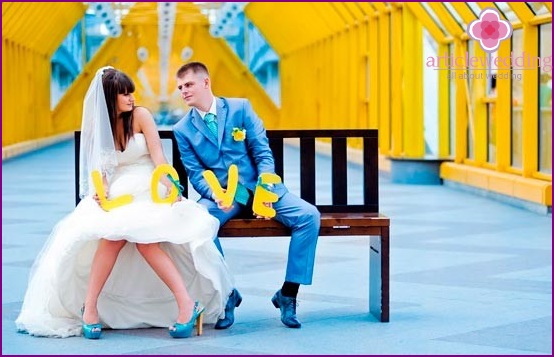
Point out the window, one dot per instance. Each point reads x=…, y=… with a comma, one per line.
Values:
x=545, y=99
x=517, y=103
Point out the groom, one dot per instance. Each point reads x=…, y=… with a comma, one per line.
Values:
x=207, y=142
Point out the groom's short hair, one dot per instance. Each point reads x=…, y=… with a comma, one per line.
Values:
x=195, y=67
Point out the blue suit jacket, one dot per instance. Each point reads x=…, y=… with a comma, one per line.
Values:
x=201, y=151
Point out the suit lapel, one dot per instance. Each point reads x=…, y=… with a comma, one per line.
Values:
x=201, y=126
x=221, y=120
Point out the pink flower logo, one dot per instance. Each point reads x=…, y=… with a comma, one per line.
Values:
x=489, y=29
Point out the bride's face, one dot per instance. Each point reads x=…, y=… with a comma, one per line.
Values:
x=125, y=102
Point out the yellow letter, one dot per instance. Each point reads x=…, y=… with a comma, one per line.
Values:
x=106, y=204
x=262, y=196
x=156, y=176
x=232, y=183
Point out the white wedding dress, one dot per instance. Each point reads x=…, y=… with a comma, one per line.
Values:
x=133, y=296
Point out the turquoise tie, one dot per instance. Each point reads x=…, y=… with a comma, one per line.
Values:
x=242, y=195
x=211, y=123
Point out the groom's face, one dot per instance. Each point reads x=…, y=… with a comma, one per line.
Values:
x=194, y=88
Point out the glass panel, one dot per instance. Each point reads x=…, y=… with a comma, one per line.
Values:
x=430, y=102
x=263, y=61
x=96, y=33
x=434, y=17
x=452, y=104
x=491, y=120
x=538, y=8
x=507, y=11
x=454, y=14
x=100, y=21
x=517, y=101
x=545, y=99
x=470, y=128
x=66, y=64
x=474, y=7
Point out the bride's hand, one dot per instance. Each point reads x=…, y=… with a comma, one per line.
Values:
x=97, y=198
x=168, y=192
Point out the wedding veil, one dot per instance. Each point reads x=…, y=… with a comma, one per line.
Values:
x=97, y=150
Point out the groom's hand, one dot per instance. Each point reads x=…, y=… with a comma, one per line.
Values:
x=220, y=203
x=267, y=204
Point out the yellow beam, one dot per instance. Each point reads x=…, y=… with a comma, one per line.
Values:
x=260, y=14
x=289, y=32
x=371, y=74
x=26, y=53
x=353, y=75
x=330, y=17
x=343, y=12
x=355, y=10
x=532, y=190
x=530, y=129
x=479, y=109
x=19, y=23
x=503, y=109
x=396, y=70
x=548, y=5
x=461, y=107
x=382, y=69
x=412, y=87
x=541, y=19
x=427, y=21
x=366, y=9
x=522, y=11
x=443, y=105
x=448, y=21
x=464, y=11
x=381, y=7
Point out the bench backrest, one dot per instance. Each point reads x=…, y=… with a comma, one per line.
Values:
x=339, y=178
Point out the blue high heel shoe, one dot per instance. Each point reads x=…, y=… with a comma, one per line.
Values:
x=91, y=331
x=179, y=330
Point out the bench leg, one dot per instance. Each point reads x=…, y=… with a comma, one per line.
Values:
x=379, y=275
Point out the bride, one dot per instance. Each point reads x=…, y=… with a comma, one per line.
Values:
x=142, y=264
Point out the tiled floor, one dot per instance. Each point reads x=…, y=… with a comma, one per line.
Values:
x=468, y=276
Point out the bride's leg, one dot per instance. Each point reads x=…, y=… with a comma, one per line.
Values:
x=102, y=265
x=164, y=267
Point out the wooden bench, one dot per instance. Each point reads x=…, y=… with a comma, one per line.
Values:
x=337, y=219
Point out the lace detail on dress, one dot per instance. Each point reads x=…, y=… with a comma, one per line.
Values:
x=108, y=162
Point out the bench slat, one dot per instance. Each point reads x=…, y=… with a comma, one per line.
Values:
x=339, y=171
x=276, y=145
x=307, y=169
x=332, y=224
x=323, y=133
x=371, y=174
x=347, y=208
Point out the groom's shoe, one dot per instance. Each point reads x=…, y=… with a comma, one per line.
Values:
x=234, y=301
x=288, y=309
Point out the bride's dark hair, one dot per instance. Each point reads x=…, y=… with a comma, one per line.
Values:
x=116, y=82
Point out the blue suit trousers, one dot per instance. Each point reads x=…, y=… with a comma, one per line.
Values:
x=301, y=217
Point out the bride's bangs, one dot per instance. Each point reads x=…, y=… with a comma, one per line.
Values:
x=125, y=85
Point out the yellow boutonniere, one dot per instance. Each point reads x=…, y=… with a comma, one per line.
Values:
x=239, y=134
